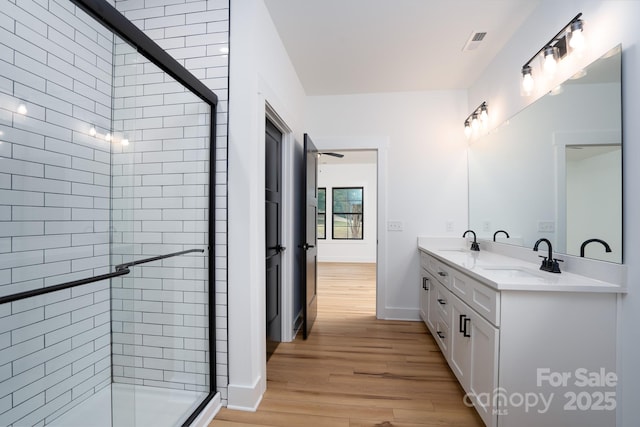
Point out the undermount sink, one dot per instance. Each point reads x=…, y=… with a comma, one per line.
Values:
x=512, y=273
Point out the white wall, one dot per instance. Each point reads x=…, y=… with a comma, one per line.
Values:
x=350, y=175
x=260, y=72
x=426, y=173
x=608, y=23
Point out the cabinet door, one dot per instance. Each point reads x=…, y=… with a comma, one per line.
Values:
x=460, y=362
x=483, y=372
x=442, y=336
x=432, y=312
x=425, y=287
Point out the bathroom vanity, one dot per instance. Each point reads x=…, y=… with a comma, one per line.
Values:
x=529, y=347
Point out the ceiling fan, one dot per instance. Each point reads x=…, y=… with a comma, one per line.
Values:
x=327, y=153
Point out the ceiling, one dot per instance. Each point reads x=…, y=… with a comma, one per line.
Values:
x=368, y=46
x=350, y=157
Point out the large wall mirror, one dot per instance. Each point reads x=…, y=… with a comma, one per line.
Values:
x=554, y=170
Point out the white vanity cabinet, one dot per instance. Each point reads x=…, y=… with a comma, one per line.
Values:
x=466, y=339
x=519, y=354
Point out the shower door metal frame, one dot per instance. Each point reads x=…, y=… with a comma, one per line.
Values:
x=108, y=16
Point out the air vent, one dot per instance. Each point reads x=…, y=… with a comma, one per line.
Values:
x=474, y=41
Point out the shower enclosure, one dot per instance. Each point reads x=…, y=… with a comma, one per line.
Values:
x=106, y=198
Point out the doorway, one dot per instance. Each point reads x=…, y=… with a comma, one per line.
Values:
x=348, y=219
x=273, y=237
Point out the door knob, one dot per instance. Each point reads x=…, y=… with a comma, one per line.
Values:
x=307, y=246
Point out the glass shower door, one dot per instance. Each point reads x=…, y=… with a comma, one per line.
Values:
x=160, y=165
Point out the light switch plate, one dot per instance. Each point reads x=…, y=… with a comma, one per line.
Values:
x=395, y=226
x=546, y=226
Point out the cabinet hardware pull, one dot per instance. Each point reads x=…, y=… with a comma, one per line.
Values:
x=442, y=301
x=442, y=273
x=465, y=332
x=440, y=334
x=462, y=320
x=425, y=280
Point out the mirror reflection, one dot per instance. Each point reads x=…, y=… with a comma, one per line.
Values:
x=554, y=170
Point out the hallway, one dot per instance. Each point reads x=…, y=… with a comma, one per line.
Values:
x=356, y=371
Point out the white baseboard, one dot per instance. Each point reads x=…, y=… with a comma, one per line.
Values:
x=396, y=313
x=365, y=260
x=245, y=398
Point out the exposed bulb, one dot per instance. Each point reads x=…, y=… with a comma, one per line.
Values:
x=22, y=109
x=475, y=123
x=527, y=80
x=549, y=60
x=124, y=142
x=484, y=115
x=107, y=137
x=92, y=131
x=576, y=40
x=467, y=129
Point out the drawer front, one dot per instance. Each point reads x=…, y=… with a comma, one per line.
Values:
x=480, y=297
x=485, y=301
x=443, y=301
x=439, y=270
x=424, y=261
x=461, y=285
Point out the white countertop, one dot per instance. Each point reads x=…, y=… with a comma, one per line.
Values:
x=506, y=273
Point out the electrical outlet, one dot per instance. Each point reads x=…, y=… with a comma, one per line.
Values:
x=486, y=226
x=546, y=226
x=395, y=226
x=449, y=226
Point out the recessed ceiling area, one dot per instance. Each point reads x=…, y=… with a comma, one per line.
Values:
x=369, y=46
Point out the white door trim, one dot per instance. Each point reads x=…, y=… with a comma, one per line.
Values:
x=380, y=144
x=286, y=301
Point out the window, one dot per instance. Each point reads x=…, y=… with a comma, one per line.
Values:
x=322, y=213
x=347, y=213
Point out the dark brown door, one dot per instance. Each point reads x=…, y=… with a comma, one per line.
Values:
x=274, y=248
x=309, y=246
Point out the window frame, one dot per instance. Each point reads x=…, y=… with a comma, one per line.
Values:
x=333, y=213
x=323, y=213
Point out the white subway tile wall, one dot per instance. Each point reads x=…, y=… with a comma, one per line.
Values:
x=145, y=347
x=160, y=189
x=55, y=85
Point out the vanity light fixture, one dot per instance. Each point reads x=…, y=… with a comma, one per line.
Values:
x=479, y=116
x=550, y=60
x=576, y=41
x=569, y=39
x=22, y=109
x=92, y=131
x=467, y=128
x=527, y=80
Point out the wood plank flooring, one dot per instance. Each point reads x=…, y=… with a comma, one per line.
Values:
x=355, y=370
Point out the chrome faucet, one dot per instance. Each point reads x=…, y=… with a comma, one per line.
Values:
x=607, y=248
x=549, y=263
x=500, y=231
x=474, y=244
